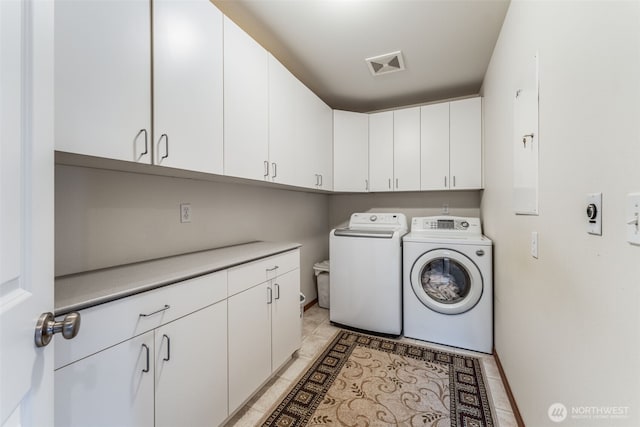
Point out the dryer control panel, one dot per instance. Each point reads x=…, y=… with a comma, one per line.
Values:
x=447, y=225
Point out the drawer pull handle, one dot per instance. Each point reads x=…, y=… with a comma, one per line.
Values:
x=146, y=348
x=166, y=359
x=270, y=296
x=272, y=269
x=277, y=286
x=166, y=307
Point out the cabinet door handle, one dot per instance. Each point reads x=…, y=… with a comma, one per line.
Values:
x=277, y=289
x=320, y=180
x=166, y=359
x=146, y=142
x=266, y=168
x=454, y=180
x=445, y=182
x=366, y=185
x=389, y=183
x=166, y=146
x=317, y=179
x=396, y=183
x=166, y=307
x=275, y=169
x=146, y=348
x=273, y=268
x=269, y=295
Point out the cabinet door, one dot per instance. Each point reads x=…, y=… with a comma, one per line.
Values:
x=314, y=136
x=406, y=149
x=350, y=151
x=245, y=105
x=103, y=79
x=191, y=369
x=109, y=388
x=249, y=342
x=187, y=64
x=284, y=104
x=381, y=151
x=285, y=323
x=434, y=141
x=466, y=144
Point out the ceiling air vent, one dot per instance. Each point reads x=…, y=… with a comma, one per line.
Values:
x=387, y=63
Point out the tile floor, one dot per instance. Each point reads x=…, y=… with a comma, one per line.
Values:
x=316, y=332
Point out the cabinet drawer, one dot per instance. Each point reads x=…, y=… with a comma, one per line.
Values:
x=253, y=273
x=107, y=324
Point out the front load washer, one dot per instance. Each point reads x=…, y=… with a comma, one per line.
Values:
x=448, y=283
x=366, y=273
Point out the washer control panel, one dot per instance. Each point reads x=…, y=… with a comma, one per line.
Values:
x=378, y=220
x=447, y=224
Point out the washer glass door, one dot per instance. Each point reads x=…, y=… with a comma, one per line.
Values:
x=446, y=281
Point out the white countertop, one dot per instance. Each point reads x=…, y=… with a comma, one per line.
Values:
x=83, y=290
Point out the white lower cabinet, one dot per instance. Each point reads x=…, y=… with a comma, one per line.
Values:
x=249, y=343
x=264, y=322
x=183, y=354
x=191, y=369
x=111, y=388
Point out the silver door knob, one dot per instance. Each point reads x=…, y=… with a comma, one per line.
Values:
x=47, y=326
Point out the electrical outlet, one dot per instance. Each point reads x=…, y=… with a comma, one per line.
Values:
x=534, y=244
x=185, y=212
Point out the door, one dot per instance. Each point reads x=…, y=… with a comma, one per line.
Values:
x=381, y=151
x=111, y=388
x=434, y=143
x=246, y=103
x=406, y=149
x=103, y=78
x=350, y=151
x=446, y=281
x=26, y=210
x=187, y=80
x=191, y=369
x=466, y=144
x=285, y=312
x=249, y=342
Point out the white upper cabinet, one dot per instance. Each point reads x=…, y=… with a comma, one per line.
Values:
x=246, y=103
x=465, y=164
x=451, y=140
x=300, y=132
x=381, y=151
x=102, y=79
x=314, y=146
x=406, y=149
x=434, y=156
x=283, y=107
x=350, y=151
x=188, y=85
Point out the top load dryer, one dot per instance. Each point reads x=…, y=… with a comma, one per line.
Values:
x=366, y=273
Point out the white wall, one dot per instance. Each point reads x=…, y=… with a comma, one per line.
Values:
x=568, y=324
x=106, y=218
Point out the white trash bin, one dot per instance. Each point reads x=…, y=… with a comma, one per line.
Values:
x=322, y=279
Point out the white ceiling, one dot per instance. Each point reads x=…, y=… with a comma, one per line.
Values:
x=446, y=44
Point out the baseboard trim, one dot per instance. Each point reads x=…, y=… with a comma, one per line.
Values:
x=310, y=304
x=507, y=388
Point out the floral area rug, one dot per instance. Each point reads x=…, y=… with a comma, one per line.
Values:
x=361, y=380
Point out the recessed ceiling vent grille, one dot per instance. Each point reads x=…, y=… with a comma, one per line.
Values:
x=385, y=64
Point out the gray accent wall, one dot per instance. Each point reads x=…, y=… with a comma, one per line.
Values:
x=106, y=218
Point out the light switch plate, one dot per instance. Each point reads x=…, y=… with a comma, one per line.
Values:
x=534, y=244
x=633, y=218
x=594, y=221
